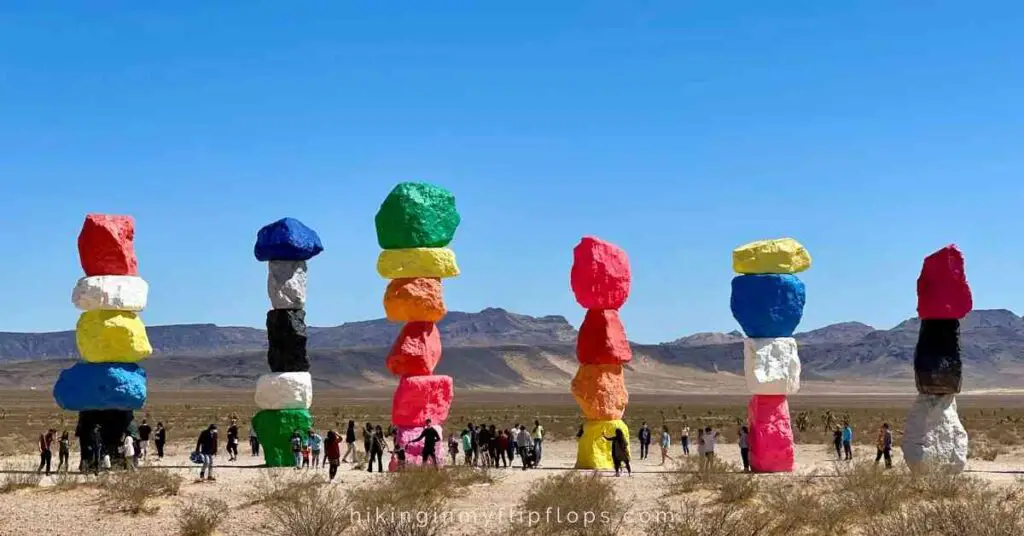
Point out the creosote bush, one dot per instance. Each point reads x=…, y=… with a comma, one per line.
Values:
x=201, y=517
x=572, y=503
x=14, y=478
x=131, y=491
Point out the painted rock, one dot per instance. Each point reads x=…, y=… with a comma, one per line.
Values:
x=414, y=451
x=85, y=386
x=274, y=427
x=768, y=305
x=113, y=424
x=286, y=284
x=287, y=239
x=593, y=451
x=416, y=215
x=417, y=299
x=111, y=336
x=286, y=340
x=419, y=398
x=942, y=289
x=106, y=245
x=602, y=339
x=771, y=366
x=771, y=434
x=417, y=262
x=933, y=434
x=937, y=366
x=600, y=276
x=600, y=390
x=776, y=256
x=416, y=350
x=113, y=292
x=284, y=390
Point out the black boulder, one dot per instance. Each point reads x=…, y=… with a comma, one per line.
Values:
x=937, y=366
x=286, y=340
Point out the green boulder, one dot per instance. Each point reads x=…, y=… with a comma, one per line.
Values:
x=274, y=427
x=416, y=215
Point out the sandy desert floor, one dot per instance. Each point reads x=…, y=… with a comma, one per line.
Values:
x=486, y=506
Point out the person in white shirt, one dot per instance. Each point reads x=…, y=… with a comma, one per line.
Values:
x=128, y=449
x=685, y=435
x=523, y=443
x=709, y=439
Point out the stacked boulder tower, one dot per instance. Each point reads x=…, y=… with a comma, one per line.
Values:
x=284, y=396
x=415, y=224
x=934, y=434
x=768, y=302
x=600, y=279
x=107, y=385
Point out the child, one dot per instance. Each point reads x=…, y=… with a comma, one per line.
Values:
x=306, y=451
x=453, y=447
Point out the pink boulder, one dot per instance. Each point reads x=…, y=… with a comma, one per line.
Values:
x=600, y=274
x=414, y=451
x=602, y=339
x=106, y=245
x=942, y=289
x=416, y=350
x=771, y=434
x=419, y=398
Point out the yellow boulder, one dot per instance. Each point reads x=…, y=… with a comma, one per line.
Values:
x=593, y=451
x=417, y=262
x=776, y=256
x=105, y=336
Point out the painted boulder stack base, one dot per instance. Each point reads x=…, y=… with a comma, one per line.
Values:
x=600, y=279
x=285, y=395
x=415, y=224
x=933, y=434
x=768, y=302
x=107, y=384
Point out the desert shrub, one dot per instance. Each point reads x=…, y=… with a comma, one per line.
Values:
x=951, y=518
x=131, y=491
x=866, y=490
x=984, y=451
x=938, y=482
x=692, y=475
x=718, y=520
x=201, y=517
x=69, y=482
x=272, y=488
x=583, y=504
x=737, y=488
x=325, y=512
x=14, y=478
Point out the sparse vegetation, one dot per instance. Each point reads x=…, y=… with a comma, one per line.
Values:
x=271, y=488
x=324, y=511
x=131, y=492
x=201, y=517
x=14, y=478
x=572, y=503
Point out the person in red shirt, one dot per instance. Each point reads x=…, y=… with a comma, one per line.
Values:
x=332, y=451
x=503, y=446
x=45, y=452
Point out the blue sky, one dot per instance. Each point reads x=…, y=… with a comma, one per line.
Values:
x=873, y=132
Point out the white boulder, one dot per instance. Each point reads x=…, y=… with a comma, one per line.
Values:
x=284, y=390
x=111, y=292
x=771, y=365
x=933, y=435
x=286, y=284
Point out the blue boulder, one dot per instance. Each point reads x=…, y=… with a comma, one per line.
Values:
x=287, y=239
x=94, y=386
x=768, y=305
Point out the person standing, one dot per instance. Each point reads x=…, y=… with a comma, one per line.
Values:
x=511, y=450
x=666, y=442
x=254, y=441
x=332, y=451
x=525, y=443
x=367, y=439
x=685, y=439
x=430, y=437
x=710, y=438
x=45, y=450
x=847, y=441
x=65, y=449
x=377, y=447
x=296, y=441
x=128, y=450
x=884, y=444
x=145, y=430
x=96, y=442
x=315, y=442
x=206, y=446
x=160, y=439
x=744, y=443
x=538, y=441
x=644, y=436
x=467, y=446
x=233, y=440
x=837, y=442
x=620, y=452
x=453, y=447
x=474, y=436
x=350, y=442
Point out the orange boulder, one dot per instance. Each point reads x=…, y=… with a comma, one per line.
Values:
x=416, y=350
x=600, y=390
x=602, y=339
x=417, y=299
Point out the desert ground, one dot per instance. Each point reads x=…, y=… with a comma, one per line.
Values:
x=657, y=499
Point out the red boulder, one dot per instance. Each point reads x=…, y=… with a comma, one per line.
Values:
x=771, y=434
x=602, y=339
x=942, y=289
x=106, y=245
x=416, y=350
x=600, y=274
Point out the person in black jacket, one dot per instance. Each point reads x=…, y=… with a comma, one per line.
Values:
x=96, y=440
x=144, y=432
x=206, y=446
x=645, y=440
x=430, y=438
x=160, y=439
x=350, y=442
x=233, y=440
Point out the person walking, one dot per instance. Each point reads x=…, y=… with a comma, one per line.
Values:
x=254, y=441
x=430, y=437
x=710, y=438
x=377, y=447
x=685, y=440
x=160, y=439
x=837, y=442
x=296, y=441
x=700, y=444
x=744, y=444
x=350, y=442
x=45, y=450
x=538, y=441
x=206, y=446
x=128, y=450
x=644, y=436
x=332, y=451
x=884, y=444
x=64, y=446
x=510, y=452
x=474, y=438
x=666, y=442
x=233, y=440
x=620, y=452
x=467, y=446
x=847, y=441
x=316, y=442
x=503, y=441
x=483, y=439
x=145, y=431
x=453, y=447
x=367, y=439
x=525, y=443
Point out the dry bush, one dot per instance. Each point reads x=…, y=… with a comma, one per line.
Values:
x=272, y=488
x=69, y=482
x=324, y=512
x=201, y=517
x=1002, y=435
x=951, y=518
x=14, y=478
x=580, y=504
x=936, y=482
x=866, y=490
x=131, y=491
x=408, y=503
x=737, y=488
x=720, y=520
x=692, y=475
x=986, y=452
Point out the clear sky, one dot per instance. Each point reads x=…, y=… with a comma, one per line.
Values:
x=874, y=132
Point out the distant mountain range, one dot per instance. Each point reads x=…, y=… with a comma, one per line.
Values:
x=496, y=349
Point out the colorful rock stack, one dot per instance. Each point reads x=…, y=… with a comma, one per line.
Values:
x=768, y=302
x=600, y=279
x=415, y=223
x=285, y=395
x=933, y=433
x=108, y=384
